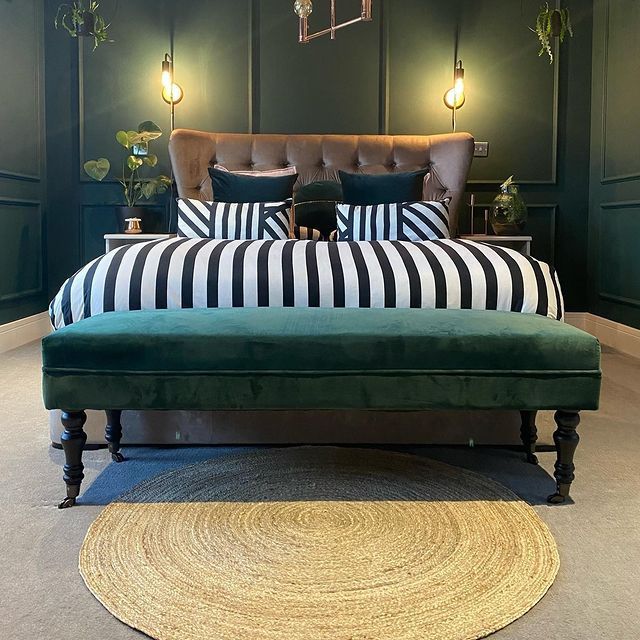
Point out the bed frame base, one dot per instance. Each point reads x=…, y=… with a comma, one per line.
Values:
x=565, y=437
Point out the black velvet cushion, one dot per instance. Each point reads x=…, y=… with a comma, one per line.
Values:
x=231, y=187
x=315, y=205
x=386, y=188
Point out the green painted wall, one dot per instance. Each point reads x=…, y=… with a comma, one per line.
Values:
x=22, y=211
x=242, y=70
x=614, y=221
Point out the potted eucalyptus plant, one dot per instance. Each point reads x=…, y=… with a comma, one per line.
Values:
x=81, y=19
x=135, y=186
x=552, y=23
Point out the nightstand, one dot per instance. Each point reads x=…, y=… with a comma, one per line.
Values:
x=114, y=240
x=519, y=243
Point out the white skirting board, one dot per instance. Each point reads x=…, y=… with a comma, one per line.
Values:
x=612, y=334
x=15, y=334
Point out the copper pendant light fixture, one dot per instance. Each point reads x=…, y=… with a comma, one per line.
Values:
x=304, y=8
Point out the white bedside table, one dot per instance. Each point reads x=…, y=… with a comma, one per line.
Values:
x=520, y=243
x=114, y=240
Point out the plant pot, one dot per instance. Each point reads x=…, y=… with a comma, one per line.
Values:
x=88, y=25
x=508, y=215
x=151, y=220
x=556, y=23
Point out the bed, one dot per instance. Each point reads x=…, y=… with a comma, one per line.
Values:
x=321, y=283
x=186, y=273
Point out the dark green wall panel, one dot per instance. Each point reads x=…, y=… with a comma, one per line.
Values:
x=324, y=86
x=22, y=249
x=22, y=240
x=542, y=227
x=420, y=51
x=212, y=56
x=511, y=94
x=20, y=107
x=619, y=273
x=120, y=81
x=620, y=115
x=614, y=215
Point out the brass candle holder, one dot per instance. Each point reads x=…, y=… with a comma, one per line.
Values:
x=133, y=225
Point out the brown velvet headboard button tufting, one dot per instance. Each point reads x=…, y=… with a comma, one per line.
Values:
x=320, y=157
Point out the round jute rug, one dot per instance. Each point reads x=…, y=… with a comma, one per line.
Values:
x=319, y=543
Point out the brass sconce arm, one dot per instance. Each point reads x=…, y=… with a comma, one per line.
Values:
x=303, y=9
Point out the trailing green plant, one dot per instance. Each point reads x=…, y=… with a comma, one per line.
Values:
x=552, y=23
x=136, y=143
x=82, y=19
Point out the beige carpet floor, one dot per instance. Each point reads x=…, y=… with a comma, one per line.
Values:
x=43, y=596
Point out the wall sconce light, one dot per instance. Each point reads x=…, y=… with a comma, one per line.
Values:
x=304, y=8
x=172, y=92
x=167, y=70
x=454, y=98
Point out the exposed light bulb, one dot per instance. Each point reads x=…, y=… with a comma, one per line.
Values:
x=303, y=8
x=167, y=70
x=175, y=94
x=454, y=98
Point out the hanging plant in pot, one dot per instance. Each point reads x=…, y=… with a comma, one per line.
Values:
x=81, y=19
x=135, y=186
x=552, y=23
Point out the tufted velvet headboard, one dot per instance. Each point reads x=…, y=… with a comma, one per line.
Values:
x=319, y=157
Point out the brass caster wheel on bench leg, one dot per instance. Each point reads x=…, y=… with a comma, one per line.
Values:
x=566, y=439
x=73, y=440
x=113, y=434
x=529, y=435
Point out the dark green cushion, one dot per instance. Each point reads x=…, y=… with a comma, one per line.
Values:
x=270, y=358
x=320, y=190
x=315, y=205
x=385, y=188
x=232, y=187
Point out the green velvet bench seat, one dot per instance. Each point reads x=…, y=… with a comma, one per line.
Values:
x=320, y=358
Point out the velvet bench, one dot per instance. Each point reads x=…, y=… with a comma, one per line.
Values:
x=320, y=358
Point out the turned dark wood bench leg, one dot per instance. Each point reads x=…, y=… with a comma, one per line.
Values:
x=73, y=440
x=529, y=435
x=566, y=439
x=113, y=434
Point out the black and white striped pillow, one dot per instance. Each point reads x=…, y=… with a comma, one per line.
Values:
x=233, y=221
x=412, y=221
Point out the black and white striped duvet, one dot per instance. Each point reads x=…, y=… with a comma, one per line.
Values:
x=198, y=273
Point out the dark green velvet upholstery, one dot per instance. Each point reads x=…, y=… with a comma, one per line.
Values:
x=296, y=358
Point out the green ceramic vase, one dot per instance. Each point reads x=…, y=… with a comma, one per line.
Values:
x=508, y=215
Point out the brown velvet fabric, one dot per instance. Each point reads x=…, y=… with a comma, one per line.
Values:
x=320, y=157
